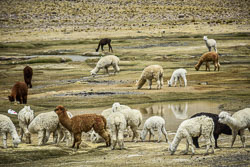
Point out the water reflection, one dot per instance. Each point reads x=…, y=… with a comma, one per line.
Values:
x=175, y=112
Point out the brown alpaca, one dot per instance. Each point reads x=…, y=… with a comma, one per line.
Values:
x=207, y=57
x=103, y=42
x=28, y=72
x=19, y=93
x=83, y=123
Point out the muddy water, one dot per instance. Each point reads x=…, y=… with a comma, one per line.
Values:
x=72, y=57
x=173, y=112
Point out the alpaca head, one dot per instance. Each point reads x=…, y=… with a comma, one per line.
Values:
x=196, y=67
x=116, y=107
x=143, y=135
x=60, y=109
x=94, y=71
x=16, y=140
x=205, y=38
x=169, y=83
x=11, y=98
x=223, y=117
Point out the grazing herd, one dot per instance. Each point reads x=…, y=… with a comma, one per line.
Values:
x=113, y=123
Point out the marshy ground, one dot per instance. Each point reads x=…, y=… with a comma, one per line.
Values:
x=172, y=44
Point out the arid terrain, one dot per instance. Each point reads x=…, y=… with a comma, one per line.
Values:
x=52, y=37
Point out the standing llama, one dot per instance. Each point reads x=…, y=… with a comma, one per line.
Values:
x=210, y=43
x=207, y=57
x=103, y=42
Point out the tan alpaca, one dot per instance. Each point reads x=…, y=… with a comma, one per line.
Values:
x=207, y=57
x=83, y=123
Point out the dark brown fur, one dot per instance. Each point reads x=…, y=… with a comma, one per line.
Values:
x=28, y=72
x=83, y=123
x=19, y=93
x=207, y=57
x=103, y=42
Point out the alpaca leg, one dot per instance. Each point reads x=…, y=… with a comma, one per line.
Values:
x=27, y=135
x=5, y=135
x=209, y=49
x=165, y=133
x=187, y=147
x=24, y=99
x=158, y=84
x=41, y=137
x=102, y=47
x=207, y=66
x=190, y=142
x=149, y=83
x=195, y=142
x=149, y=136
x=215, y=66
x=21, y=133
x=216, y=138
x=135, y=133
x=234, y=133
x=159, y=134
x=175, y=81
x=46, y=138
x=105, y=135
x=184, y=79
x=215, y=49
x=242, y=137
x=120, y=139
x=161, y=82
x=113, y=137
x=179, y=79
x=110, y=47
x=74, y=141
x=78, y=139
x=107, y=71
x=152, y=133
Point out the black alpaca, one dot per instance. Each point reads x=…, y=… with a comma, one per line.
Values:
x=103, y=42
x=219, y=128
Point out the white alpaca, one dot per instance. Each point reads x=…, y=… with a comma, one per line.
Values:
x=176, y=77
x=117, y=124
x=151, y=124
x=132, y=116
x=194, y=127
x=210, y=43
x=239, y=121
x=44, y=124
x=95, y=137
x=106, y=62
x=148, y=74
x=25, y=116
x=7, y=126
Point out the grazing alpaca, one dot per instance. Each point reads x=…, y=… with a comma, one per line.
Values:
x=83, y=123
x=27, y=73
x=148, y=74
x=238, y=122
x=206, y=57
x=177, y=74
x=103, y=42
x=210, y=43
x=19, y=93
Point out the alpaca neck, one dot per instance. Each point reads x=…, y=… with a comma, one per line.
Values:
x=66, y=121
x=176, y=141
x=199, y=63
x=232, y=122
x=13, y=132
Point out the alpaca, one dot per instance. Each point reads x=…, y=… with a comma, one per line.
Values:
x=177, y=74
x=210, y=43
x=238, y=122
x=25, y=116
x=103, y=42
x=148, y=74
x=7, y=126
x=19, y=93
x=206, y=57
x=194, y=127
x=83, y=123
x=117, y=124
x=27, y=73
x=152, y=123
x=106, y=62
